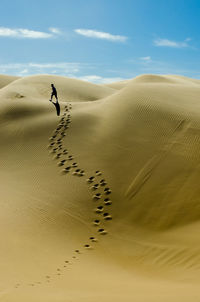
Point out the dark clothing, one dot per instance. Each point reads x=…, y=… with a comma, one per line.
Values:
x=54, y=93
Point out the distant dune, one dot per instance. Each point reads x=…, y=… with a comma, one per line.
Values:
x=102, y=203
x=118, y=85
x=6, y=79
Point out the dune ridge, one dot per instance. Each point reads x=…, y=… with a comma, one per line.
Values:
x=129, y=169
x=6, y=80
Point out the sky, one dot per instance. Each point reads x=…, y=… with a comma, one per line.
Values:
x=100, y=40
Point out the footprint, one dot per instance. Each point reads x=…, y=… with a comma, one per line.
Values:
x=103, y=182
x=98, y=173
x=54, y=150
x=96, y=196
x=99, y=209
x=91, y=179
x=70, y=157
x=66, y=170
x=96, y=222
x=93, y=239
x=87, y=246
x=74, y=165
x=65, y=151
x=81, y=173
x=76, y=172
x=95, y=187
x=62, y=162
x=107, y=191
x=51, y=145
x=107, y=201
x=107, y=216
x=102, y=231
x=77, y=251
x=58, y=156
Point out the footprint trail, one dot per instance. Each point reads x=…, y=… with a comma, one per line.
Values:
x=97, y=186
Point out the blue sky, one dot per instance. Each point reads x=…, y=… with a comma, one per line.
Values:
x=100, y=40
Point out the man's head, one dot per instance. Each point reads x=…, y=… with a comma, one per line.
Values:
x=52, y=85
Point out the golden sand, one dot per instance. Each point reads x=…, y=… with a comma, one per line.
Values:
x=102, y=203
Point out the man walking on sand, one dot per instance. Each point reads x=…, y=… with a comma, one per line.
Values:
x=56, y=104
x=54, y=92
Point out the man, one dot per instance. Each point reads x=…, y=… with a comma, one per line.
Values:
x=54, y=92
x=56, y=104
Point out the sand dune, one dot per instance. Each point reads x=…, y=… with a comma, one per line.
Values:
x=6, y=79
x=118, y=85
x=101, y=203
x=38, y=86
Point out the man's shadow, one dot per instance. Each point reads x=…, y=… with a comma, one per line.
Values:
x=57, y=105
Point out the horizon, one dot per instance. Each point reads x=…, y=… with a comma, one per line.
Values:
x=100, y=42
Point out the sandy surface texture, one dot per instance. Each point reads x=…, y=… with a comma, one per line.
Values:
x=101, y=203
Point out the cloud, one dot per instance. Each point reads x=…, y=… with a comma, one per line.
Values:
x=100, y=80
x=27, y=33
x=21, y=69
x=170, y=43
x=69, y=69
x=162, y=67
x=100, y=35
x=146, y=59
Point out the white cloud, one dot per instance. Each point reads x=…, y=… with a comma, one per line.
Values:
x=146, y=59
x=24, y=71
x=100, y=80
x=100, y=35
x=27, y=33
x=170, y=43
x=61, y=68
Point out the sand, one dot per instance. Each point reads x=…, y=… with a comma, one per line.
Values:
x=6, y=79
x=103, y=202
